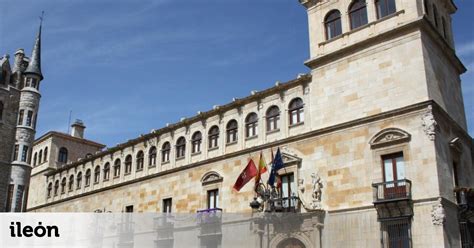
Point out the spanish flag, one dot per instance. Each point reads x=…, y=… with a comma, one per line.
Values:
x=262, y=168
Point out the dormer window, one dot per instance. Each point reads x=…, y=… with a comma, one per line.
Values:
x=332, y=23
x=385, y=8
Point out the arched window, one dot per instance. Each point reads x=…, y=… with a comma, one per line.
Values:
x=117, y=165
x=40, y=157
x=165, y=152
x=71, y=183
x=106, y=171
x=385, y=8
x=45, y=155
x=296, y=111
x=63, y=186
x=88, y=177
x=152, y=156
x=435, y=15
x=332, y=24
x=34, y=159
x=231, y=131
x=97, y=174
x=358, y=13
x=196, y=141
x=140, y=158
x=214, y=137
x=79, y=180
x=128, y=164
x=1, y=110
x=56, y=188
x=62, y=157
x=180, y=147
x=251, y=124
x=50, y=189
x=273, y=117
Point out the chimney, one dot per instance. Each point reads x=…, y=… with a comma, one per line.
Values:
x=78, y=129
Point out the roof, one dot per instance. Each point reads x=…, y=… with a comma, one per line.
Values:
x=34, y=67
x=67, y=136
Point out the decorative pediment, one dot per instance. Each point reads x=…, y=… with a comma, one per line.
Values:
x=290, y=158
x=388, y=137
x=211, y=177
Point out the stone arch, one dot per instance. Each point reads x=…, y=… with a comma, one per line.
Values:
x=280, y=240
x=388, y=137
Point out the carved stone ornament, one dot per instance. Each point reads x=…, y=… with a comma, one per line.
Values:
x=316, y=193
x=438, y=215
x=211, y=177
x=388, y=137
x=429, y=124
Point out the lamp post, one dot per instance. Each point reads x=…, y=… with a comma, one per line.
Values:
x=267, y=199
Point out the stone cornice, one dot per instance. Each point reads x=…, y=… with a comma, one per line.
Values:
x=69, y=137
x=346, y=125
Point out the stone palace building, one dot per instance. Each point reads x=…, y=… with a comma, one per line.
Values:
x=374, y=141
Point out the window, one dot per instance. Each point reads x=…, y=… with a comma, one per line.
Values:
x=71, y=183
x=251, y=123
x=34, y=158
x=396, y=233
x=88, y=177
x=117, y=168
x=358, y=13
x=1, y=110
x=40, y=157
x=140, y=160
x=29, y=118
x=288, y=192
x=332, y=24
x=128, y=164
x=79, y=180
x=167, y=205
x=296, y=111
x=213, y=199
x=24, y=154
x=385, y=8
x=196, y=140
x=106, y=171
x=15, y=152
x=180, y=147
x=152, y=156
x=455, y=175
x=129, y=209
x=62, y=157
x=214, y=137
x=231, y=131
x=443, y=22
x=393, y=167
x=165, y=152
x=10, y=197
x=50, y=189
x=273, y=116
x=45, y=155
x=20, y=117
x=435, y=15
x=97, y=174
x=56, y=187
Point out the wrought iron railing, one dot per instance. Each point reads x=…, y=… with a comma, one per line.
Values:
x=210, y=221
x=392, y=191
x=396, y=233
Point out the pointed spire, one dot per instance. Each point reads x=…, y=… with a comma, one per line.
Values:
x=34, y=67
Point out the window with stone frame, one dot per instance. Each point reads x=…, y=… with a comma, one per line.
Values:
x=358, y=13
x=128, y=164
x=167, y=205
x=296, y=111
x=63, y=154
x=385, y=8
x=332, y=24
x=117, y=165
x=214, y=137
x=56, y=188
x=152, y=157
x=35, y=156
x=231, y=131
x=79, y=180
x=106, y=171
x=165, y=152
x=40, y=157
x=88, y=177
x=29, y=118
x=24, y=154
x=71, y=183
x=288, y=191
x=50, y=189
x=251, y=125
x=196, y=141
x=20, y=117
x=140, y=160
x=273, y=118
x=97, y=174
x=180, y=147
x=213, y=199
x=45, y=155
x=396, y=233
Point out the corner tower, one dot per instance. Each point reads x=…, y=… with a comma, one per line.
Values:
x=25, y=130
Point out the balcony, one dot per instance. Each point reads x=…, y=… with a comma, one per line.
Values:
x=210, y=222
x=385, y=192
x=164, y=226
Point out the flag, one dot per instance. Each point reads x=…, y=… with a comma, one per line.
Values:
x=276, y=165
x=247, y=174
x=262, y=168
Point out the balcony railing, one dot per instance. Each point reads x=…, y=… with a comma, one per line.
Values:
x=212, y=215
x=392, y=191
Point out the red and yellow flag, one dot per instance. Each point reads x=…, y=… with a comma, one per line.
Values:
x=262, y=168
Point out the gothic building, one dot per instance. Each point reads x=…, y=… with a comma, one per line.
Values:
x=374, y=141
x=19, y=103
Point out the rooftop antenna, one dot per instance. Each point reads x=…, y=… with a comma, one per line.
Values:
x=69, y=121
x=41, y=18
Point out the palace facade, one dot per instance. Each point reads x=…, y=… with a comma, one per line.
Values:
x=379, y=120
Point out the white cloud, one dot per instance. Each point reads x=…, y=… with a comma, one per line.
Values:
x=466, y=49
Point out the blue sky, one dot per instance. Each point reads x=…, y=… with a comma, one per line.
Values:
x=126, y=67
